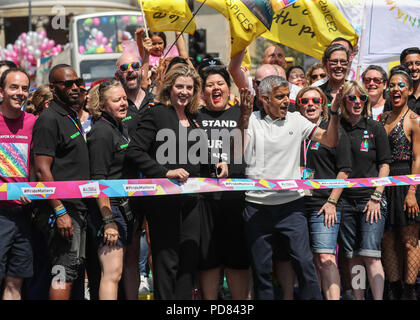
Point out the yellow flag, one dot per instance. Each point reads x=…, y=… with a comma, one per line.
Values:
x=246, y=62
x=164, y=15
x=245, y=27
x=309, y=26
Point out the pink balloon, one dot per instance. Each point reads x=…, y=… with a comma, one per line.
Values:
x=30, y=57
x=140, y=19
x=125, y=19
x=104, y=41
x=51, y=44
x=96, y=21
x=99, y=38
x=108, y=49
x=43, y=47
x=23, y=36
x=81, y=49
x=59, y=48
x=43, y=33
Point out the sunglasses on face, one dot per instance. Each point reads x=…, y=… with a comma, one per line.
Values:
x=124, y=67
x=305, y=101
x=316, y=76
x=375, y=80
x=69, y=83
x=354, y=97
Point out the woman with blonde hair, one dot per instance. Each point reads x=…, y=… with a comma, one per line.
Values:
x=40, y=100
x=111, y=218
x=160, y=148
x=364, y=209
x=315, y=73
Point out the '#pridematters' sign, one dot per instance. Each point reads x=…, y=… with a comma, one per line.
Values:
x=157, y=187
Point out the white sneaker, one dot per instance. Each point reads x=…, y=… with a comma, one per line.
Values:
x=144, y=285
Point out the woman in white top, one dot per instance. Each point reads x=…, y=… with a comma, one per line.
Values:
x=375, y=81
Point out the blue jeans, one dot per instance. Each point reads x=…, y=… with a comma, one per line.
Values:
x=361, y=238
x=144, y=252
x=323, y=238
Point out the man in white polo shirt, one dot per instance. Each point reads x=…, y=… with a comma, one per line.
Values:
x=272, y=140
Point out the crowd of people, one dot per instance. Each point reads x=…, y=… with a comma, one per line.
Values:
x=283, y=123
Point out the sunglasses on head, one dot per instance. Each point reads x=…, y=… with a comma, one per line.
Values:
x=316, y=76
x=124, y=67
x=305, y=101
x=354, y=97
x=375, y=80
x=69, y=83
x=104, y=84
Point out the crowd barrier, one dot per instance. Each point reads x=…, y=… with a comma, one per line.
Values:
x=157, y=187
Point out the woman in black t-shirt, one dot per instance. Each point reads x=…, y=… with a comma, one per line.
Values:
x=364, y=209
x=107, y=143
x=223, y=241
x=323, y=206
x=162, y=147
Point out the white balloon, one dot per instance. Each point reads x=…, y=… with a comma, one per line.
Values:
x=37, y=54
x=30, y=49
x=9, y=47
x=94, y=32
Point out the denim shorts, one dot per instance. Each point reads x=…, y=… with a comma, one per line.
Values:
x=361, y=238
x=323, y=238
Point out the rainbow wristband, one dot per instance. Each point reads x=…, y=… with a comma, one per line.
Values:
x=61, y=212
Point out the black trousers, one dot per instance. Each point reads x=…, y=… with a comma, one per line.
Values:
x=174, y=224
x=264, y=224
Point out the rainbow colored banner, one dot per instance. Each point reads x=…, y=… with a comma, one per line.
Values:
x=156, y=187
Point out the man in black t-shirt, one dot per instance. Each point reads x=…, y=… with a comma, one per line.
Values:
x=61, y=154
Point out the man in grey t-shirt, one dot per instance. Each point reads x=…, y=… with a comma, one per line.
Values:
x=272, y=139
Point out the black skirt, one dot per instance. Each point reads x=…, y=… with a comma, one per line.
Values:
x=395, y=196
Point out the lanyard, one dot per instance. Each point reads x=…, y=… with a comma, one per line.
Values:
x=126, y=139
x=82, y=132
x=306, y=146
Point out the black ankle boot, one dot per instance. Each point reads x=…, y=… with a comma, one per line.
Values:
x=394, y=290
x=408, y=292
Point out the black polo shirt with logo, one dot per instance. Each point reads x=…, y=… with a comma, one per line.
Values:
x=134, y=113
x=369, y=148
x=326, y=162
x=56, y=135
x=107, y=143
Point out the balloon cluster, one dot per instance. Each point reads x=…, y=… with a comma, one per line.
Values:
x=28, y=48
x=97, y=42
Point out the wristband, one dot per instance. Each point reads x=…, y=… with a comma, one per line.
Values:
x=59, y=208
x=376, y=199
x=332, y=200
x=61, y=213
x=334, y=113
x=107, y=217
x=412, y=187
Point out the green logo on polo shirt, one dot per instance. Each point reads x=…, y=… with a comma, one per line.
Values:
x=126, y=118
x=123, y=146
x=75, y=135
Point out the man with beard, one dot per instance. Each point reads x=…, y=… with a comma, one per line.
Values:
x=129, y=73
x=15, y=145
x=61, y=154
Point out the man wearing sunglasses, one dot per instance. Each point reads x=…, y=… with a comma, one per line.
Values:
x=129, y=73
x=61, y=154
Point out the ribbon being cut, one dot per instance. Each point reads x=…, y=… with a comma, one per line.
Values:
x=155, y=187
